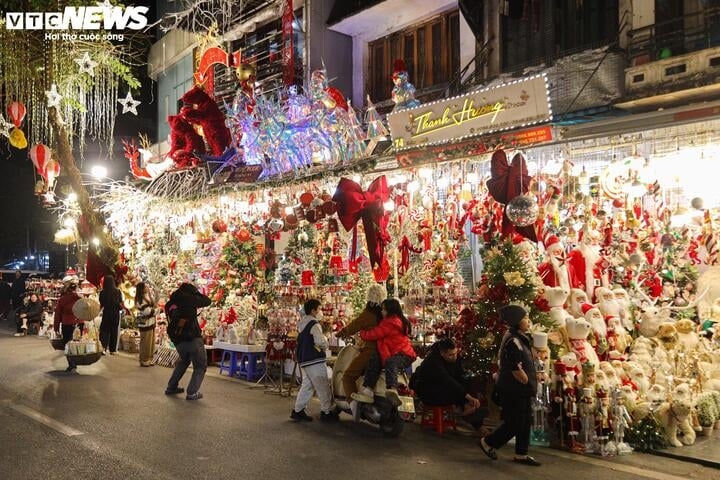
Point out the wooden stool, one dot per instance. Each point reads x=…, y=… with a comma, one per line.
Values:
x=440, y=417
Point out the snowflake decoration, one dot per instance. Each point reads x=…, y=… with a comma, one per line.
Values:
x=129, y=104
x=53, y=97
x=87, y=64
x=5, y=126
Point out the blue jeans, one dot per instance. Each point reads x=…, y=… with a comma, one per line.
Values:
x=191, y=351
x=393, y=365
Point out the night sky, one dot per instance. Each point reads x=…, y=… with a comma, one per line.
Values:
x=26, y=226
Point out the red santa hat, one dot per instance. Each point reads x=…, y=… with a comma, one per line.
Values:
x=586, y=307
x=551, y=240
x=399, y=67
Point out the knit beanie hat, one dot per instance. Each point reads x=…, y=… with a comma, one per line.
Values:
x=376, y=294
x=512, y=315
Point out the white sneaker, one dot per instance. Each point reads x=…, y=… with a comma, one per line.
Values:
x=365, y=395
x=355, y=410
x=18, y=334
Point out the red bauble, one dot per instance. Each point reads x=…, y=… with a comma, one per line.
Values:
x=306, y=198
x=219, y=226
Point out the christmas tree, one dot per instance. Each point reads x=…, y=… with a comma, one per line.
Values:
x=299, y=254
x=508, y=278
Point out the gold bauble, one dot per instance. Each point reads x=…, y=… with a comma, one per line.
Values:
x=244, y=72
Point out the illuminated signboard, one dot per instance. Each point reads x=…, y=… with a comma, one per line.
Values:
x=511, y=105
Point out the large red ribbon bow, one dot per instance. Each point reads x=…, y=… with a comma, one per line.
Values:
x=507, y=182
x=353, y=204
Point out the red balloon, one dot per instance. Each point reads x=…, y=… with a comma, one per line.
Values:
x=16, y=111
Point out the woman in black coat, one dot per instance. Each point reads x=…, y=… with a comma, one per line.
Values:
x=516, y=385
x=111, y=303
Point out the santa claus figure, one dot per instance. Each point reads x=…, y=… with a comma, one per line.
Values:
x=607, y=303
x=588, y=264
x=555, y=271
x=599, y=339
x=575, y=302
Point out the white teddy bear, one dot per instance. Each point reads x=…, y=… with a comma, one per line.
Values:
x=578, y=330
x=555, y=297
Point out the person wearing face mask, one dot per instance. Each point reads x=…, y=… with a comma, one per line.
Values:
x=517, y=385
x=312, y=358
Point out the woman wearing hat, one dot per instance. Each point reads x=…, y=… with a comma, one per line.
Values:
x=65, y=317
x=517, y=385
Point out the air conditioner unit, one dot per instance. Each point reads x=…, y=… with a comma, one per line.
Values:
x=674, y=69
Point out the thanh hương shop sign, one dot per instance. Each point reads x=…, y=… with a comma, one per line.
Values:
x=510, y=105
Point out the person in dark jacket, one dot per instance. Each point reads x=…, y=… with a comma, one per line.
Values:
x=17, y=292
x=440, y=381
x=111, y=303
x=65, y=318
x=517, y=385
x=29, y=314
x=181, y=311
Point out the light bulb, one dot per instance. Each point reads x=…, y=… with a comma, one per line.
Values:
x=389, y=206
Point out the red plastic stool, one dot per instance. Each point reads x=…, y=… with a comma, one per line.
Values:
x=440, y=418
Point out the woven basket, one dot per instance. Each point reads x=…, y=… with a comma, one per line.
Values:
x=57, y=343
x=130, y=344
x=87, y=359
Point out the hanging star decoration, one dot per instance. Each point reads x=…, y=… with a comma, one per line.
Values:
x=53, y=97
x=104, y=4
x=129, y=104
x=87, y=64
x=5, y=127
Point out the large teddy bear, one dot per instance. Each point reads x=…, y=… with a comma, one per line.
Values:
x=578, y=330
x=555, y=297
x=185, y=143
x=688, y=339
x=675, y=416
x=202, y=110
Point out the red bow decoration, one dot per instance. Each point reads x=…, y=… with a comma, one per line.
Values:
x=405, y=249
x=507, y=182
x=353, y=204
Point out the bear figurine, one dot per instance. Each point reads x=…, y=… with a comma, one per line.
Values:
x=185, y=143
x=202, y=110
x=578, y=330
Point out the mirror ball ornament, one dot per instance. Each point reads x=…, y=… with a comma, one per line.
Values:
x=522, y=210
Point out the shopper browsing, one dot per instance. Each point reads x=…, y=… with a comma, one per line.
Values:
x=184, y=331
x=517, y=385
x=66, y=319
x=311, y=356
x=111, y=303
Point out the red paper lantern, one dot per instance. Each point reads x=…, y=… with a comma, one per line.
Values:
x=16, y=111
x=39, y=155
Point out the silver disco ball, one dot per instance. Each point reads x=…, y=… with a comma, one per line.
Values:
x=522, y=210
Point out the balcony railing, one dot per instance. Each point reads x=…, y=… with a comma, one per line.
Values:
x=686, y=34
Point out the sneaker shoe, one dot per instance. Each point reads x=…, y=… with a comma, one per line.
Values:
x=18, y=334
x=355, y=410
x=194, y=396
x=329, y=417
x=392, y=396
x=174, y=391
x=527, y=461
x=71, y=368
x=301, y=415
x=365, y=395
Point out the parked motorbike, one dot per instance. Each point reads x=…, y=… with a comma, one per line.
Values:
x=381, y=412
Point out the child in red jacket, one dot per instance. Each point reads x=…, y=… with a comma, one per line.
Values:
x=394, y=352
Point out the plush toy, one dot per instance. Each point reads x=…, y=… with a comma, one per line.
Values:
x=185, y=143
x=578, y=330
x=675, y=416
x=667, y=335
x=688, y=339
x=202, y=110
x=650, y=319
x=555, y=297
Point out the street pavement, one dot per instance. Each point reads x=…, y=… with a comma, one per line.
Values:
x=111, y=420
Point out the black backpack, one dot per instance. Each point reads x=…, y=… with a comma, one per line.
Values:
x=180, y=328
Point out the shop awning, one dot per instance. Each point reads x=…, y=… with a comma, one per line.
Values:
x=642, y=121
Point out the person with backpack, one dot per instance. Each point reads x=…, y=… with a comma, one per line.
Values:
x=311, y=348
x=184, y=331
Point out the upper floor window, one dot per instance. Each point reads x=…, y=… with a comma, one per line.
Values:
x=431, y=52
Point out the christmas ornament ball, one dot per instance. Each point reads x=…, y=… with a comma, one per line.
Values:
x=697, y=203
x=522, y=210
